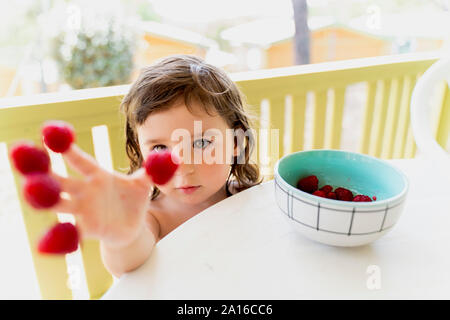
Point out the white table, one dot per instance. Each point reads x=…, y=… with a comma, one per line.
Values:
x=243, y=248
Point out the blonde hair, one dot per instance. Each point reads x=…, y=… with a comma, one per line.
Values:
x=189, y=77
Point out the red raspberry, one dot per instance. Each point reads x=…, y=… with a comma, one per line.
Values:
x=319, y=193
x=62, y=238
x=362, y=198
x=331, y=195
x=308, y=184
x=160, y=166
x=29, y=159
x=58, y=135
x=327, y=189
x=374, y=198
x=41, y=191
x=343, y=194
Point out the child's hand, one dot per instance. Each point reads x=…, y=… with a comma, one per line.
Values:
x=108, y=206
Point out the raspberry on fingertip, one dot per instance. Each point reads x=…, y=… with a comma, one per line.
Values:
x=41, y=191
x=62, y=238
x=58, y=135
x=160, y=166
x=27, y=158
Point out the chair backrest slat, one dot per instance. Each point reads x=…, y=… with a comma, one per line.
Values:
x=381, y=106
x=371, y=89
x=403, y=124
x=319, y=117
x=117, y=141
x=297, y=129
x=392, y=118
x=276, y=122
x=253, y=106
x=443, y=123
x=334, y=128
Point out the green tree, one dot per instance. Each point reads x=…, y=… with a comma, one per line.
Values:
x=96, y=57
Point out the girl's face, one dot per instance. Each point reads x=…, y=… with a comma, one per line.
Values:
x=204, y=156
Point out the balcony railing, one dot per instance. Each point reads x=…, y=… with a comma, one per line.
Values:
x=279, y=96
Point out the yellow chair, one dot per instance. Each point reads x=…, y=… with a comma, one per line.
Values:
x=385, y=131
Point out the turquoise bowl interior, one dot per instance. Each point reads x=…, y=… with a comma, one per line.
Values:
x=361, y=174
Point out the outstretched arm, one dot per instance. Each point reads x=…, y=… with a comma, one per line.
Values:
x=119, y=260
x=111, y=207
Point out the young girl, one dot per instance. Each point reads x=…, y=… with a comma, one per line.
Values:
x=130, y=213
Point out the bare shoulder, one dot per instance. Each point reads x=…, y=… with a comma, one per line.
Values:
x=153, y=224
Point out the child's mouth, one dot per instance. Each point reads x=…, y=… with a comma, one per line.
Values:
x=189, y=189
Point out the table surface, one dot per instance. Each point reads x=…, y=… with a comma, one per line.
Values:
x=243, y=248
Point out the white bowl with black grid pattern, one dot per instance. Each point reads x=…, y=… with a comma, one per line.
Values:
x=335, y=222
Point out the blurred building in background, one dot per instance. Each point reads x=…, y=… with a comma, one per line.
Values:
x=158, y=40
x=331, y=41
x=7, y=75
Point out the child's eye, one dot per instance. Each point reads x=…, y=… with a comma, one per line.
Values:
x=201, y=143
x=158, y=145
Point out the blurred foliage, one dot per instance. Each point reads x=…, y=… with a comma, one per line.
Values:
x=146, y=11
x=89, y=58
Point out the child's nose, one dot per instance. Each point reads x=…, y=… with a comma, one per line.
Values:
x=185, y=169
x=186, y=166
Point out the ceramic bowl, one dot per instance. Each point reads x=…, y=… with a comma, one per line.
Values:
x=334, y=222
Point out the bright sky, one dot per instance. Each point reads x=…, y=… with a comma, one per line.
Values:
x=210, y=10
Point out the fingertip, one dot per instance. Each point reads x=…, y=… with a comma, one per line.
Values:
x=56, y=176
x=73, y=148
x=45, y=148
x=142, y=175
